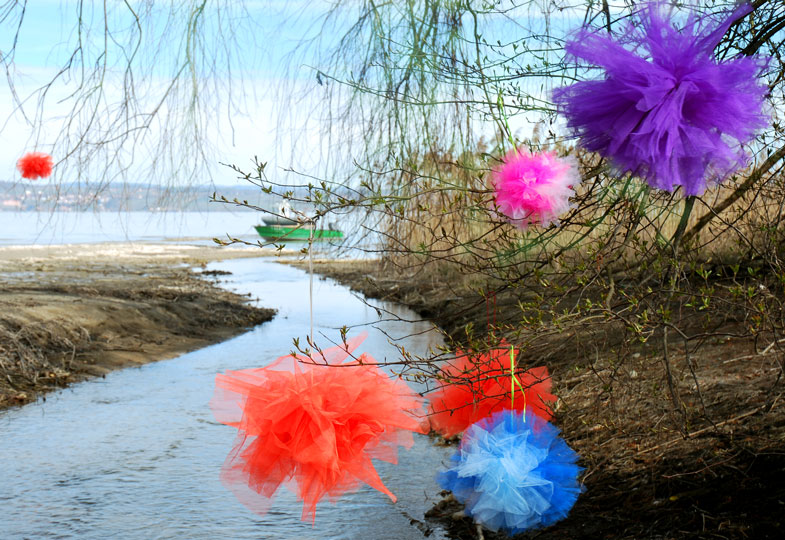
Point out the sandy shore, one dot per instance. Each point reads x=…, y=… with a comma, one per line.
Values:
x=76, y=311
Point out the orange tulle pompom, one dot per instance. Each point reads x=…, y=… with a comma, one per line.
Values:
x=34, y=165
x=474, y=385
x=313, y=428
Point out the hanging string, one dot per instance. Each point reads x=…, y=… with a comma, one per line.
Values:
x=513, y=381
x=310, y=276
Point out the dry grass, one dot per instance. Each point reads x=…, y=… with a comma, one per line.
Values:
x=620, y=220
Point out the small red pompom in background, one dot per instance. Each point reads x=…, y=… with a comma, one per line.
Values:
x=35, y=165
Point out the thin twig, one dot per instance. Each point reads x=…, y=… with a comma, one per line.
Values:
x=701, y=431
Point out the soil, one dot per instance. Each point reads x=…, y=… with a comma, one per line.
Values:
x=77, y=311
x=703, y=460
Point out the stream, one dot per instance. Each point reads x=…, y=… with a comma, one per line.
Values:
x=138, y=454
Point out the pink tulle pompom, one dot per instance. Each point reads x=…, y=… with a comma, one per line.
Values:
x=534, y=189
x=34, y=165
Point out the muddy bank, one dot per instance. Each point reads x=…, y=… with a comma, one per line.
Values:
x=72, y=312
x=710, y=466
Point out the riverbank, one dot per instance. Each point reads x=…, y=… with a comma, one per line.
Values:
x=712, y=468
x=70, y=312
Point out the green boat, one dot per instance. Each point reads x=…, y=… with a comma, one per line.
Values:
x=293, y=233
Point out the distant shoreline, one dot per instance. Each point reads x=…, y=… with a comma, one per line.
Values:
x=71, y=312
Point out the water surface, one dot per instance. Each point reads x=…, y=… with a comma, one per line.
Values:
x=56, y=228
x=138, y=454
x=47, y=228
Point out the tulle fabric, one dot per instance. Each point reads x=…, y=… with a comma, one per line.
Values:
x=34, y=165
x=314, y=428
x=666, y=110
x=534, y=188
x=476, y=384
x=513, y=472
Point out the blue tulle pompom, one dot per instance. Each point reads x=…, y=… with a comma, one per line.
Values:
x=514, y=473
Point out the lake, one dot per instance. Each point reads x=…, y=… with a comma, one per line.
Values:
x=44, y=228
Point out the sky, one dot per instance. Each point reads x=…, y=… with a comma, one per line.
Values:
x=276, y=99
x=258, y=125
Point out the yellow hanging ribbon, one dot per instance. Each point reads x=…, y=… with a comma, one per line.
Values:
x=513, y=381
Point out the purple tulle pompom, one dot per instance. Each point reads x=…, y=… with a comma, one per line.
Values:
x=667, y=109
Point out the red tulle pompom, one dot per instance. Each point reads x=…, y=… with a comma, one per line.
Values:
x=34, y=165
x=478, y=384
x=312, y=427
